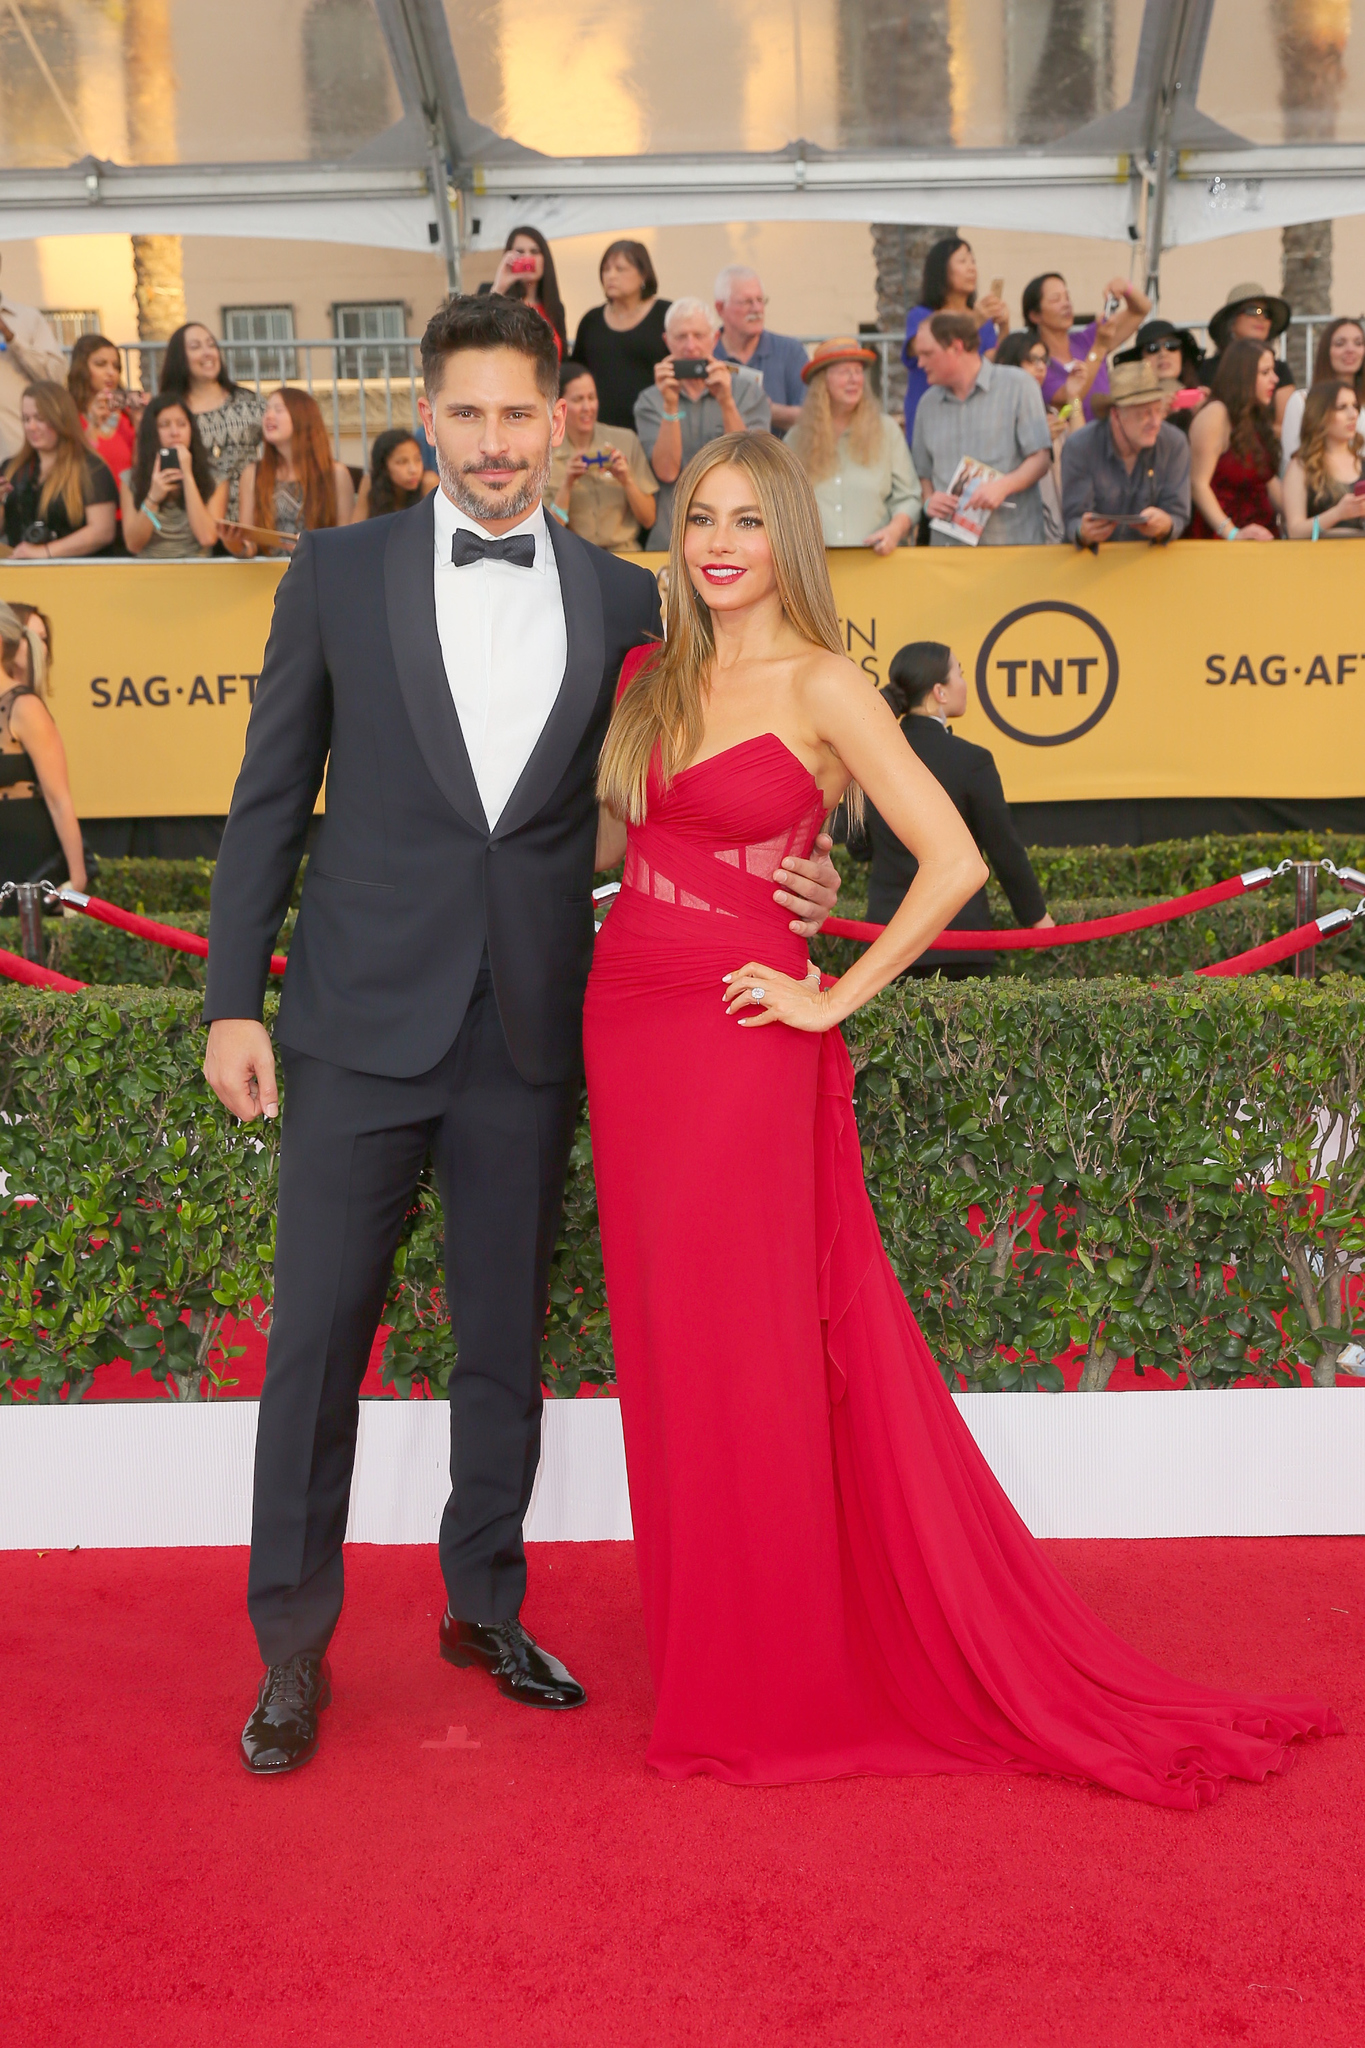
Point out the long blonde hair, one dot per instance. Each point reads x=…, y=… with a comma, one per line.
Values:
x=14, y=629
x=814, y=440
x=664, y=706
x=66, y=478
x=1318, y=408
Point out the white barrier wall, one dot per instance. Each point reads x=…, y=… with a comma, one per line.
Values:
x=1252, y=1463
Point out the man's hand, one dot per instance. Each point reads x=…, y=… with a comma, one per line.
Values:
x=718, y=375
x=1156, y=524
x=1093, y=529
x=810, y=887
x=669, y=387
x=239, y=1066
x=991, y=493
x=941, y=505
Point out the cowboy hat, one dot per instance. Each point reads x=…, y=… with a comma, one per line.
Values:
x=1241, y=296
x=1134, y=384
x=842, y=349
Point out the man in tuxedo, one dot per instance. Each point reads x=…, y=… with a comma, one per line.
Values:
x=452, y=668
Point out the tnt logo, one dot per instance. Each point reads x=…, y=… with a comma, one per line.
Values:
x=1047, y=673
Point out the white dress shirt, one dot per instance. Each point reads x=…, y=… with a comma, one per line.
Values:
x=504, y=644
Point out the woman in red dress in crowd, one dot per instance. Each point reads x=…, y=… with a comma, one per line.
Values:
x=833, y=1580
x=109, y=414
x=1235, y=450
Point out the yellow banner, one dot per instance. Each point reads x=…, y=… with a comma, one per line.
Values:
x=154, y=668
x=1200, y=670
x=1204, y=669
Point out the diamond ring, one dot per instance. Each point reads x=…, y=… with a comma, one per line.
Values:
x=758, y=994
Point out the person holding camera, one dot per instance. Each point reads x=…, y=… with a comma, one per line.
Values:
x=527, y=271
x=171, y=505
x=227, y=414
x=601, y=486
x=109, y=413
x=59, y=499
x=695, y=398
x=1047, y=308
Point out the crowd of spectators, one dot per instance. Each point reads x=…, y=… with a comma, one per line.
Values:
x=1072, y=428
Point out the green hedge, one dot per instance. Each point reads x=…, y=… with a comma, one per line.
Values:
x=1164, y=949
x=1168, y=867
x=1174, y=1136
x=93, y=952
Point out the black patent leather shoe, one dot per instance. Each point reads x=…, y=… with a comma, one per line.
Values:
x=282, y=1732
x=514, y=1660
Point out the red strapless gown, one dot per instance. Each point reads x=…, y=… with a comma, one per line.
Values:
x=833, y=1579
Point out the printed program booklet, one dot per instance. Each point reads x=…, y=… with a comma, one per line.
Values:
x=968, y=523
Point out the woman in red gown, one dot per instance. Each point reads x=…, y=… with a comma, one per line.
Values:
x=833, y=1579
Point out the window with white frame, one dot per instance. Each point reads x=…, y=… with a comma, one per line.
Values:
x=253, y=335
x=69, y=325
x=379, y=320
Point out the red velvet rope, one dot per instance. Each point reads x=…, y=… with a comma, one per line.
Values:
x=15, y=968
x=1278, y=949
x=1060, y=934
x=148, y=928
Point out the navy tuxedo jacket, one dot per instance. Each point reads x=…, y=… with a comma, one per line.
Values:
x=406, y=885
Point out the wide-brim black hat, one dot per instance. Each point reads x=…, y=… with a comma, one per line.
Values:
x=1164, y=331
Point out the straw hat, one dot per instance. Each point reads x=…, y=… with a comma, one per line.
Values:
x=1241, y=296
x=842, y=349
x=1134, y=384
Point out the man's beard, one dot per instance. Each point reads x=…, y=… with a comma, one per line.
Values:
x=461, y=488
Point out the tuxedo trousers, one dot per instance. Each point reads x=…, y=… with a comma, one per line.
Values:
x=352, y=1148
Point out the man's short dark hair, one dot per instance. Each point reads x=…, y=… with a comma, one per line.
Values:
x=488, y=320
x=947, y=328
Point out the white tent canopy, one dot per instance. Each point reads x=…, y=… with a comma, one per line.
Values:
x=409, y=124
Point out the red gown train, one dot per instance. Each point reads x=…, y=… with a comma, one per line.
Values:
x=833, y=1579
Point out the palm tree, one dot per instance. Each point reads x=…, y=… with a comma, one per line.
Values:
x=1312, y=37
x=895, y=89
x=149, y=72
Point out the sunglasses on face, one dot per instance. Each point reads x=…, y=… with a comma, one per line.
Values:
x=1167, y=344
x=1256, y=312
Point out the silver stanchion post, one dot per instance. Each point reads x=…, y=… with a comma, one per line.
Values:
x=1305, y=910
x=29, y=896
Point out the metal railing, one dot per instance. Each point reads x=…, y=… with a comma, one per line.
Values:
x=365, y=387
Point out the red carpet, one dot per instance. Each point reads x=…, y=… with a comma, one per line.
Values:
x=523, y=1883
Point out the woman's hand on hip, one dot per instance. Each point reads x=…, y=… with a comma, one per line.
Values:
x=804, y=1005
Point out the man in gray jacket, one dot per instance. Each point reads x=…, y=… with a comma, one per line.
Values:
x=1127, y=475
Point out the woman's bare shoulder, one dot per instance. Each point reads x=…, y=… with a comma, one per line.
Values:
x=829, y=681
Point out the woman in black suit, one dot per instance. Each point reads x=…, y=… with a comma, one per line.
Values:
x=926, y=689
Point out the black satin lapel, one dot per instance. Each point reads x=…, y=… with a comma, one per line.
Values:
x=580, y=689
x=410, y=601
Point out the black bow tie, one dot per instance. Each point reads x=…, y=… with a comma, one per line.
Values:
x=517, y=548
